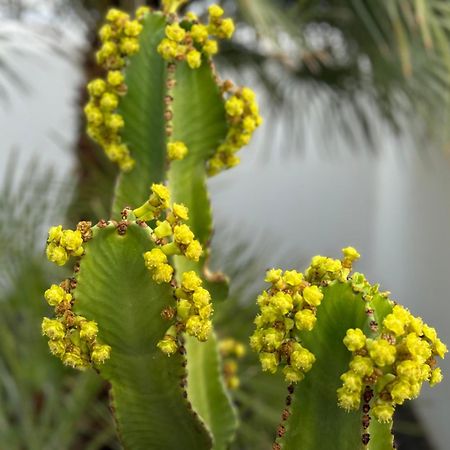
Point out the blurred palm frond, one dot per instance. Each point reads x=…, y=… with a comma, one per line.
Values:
x=392, y=54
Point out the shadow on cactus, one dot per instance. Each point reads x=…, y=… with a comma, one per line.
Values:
x=139, y=305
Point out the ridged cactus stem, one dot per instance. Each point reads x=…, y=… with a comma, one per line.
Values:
x=142, y=294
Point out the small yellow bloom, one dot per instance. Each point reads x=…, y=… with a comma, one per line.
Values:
x=96, y=87
x=53, y=329
x=305, y=320
x=168, y=345
x=176, y=150
x=100, y=353
x=88, y=330
x=190, y=281
x=133, y=28
x=383, y=411
x=175, y=32
x=292, y=375
x=180, y=211
x=115, y=78
x=312, y=295
x=194, y=59
x=269, y=362
x=215, y=11
x=354, y=339
x=109, y=101
x=199, y=33
x=183, y=234
x=56, y=294
x=210, y=47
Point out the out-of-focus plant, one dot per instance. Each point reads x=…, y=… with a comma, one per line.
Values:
x=139, y=304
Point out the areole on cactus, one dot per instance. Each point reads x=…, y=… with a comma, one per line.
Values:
x=140, y=303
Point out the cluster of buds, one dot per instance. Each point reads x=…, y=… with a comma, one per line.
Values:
x=287, y=307
x=176, y=151
x=243, y=118
x=171, y=234
x=72, y=338
x=62, y=244
x=189, y=39
x=193, y=313
x=231, y=350
x=394, y=365
x=119, y=38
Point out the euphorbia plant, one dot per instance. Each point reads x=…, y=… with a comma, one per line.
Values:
x=139, y=305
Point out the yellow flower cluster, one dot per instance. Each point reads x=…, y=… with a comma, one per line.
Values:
x=194, y=310
x=172, y=227
x=243, y=118
x=231, y=350
x=62, y=244
x=287, y=307
x=119, y=38
x=176, y=150
x=396, y=364
x=189, y=39
x=72, y=338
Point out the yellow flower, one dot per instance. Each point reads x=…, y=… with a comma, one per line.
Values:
x=199, y=33
x=305, y=320
x=115, y=78
x=96, y=87
x=190, y=281
x=100, y=353
x=53, y=329
x=183, y=234
x=292, y=375
x=381, y=352
x=269, y=362
x=56, y=294
x=350, y=254
x=210, y=47
x=88, y=330
x=168, y=345
x=176, y=150
x=312, y=295
x=383, y=411
x=175, y=32
x=71, y=240
x=180, y=211
x=194, y=59
x=354, y=339
x=302, y=359
x=215, y=11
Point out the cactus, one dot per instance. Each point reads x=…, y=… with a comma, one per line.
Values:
x=348, y=352
x=140, y=303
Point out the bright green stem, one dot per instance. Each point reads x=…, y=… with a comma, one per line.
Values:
x=143, y=111
x=316, y=420
x=115, y=289
x=199, y=122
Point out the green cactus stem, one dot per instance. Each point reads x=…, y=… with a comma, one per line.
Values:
x=348, y=352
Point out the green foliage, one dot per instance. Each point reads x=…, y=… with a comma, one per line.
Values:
x=114, y=288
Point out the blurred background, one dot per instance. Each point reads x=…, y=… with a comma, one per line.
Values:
x=354, y=150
